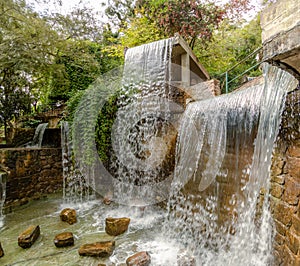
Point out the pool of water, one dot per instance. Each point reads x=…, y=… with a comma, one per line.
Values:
x=144, y=233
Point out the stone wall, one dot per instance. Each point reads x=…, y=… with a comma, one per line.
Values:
x=285, y=185
x=32, y=173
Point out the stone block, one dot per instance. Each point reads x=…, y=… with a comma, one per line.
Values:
x=280, y=179
x=288, y=257
x=116, y=226
x=279, y=239
x=29, y=236
x=276, y=190
x=280, y=228
x=293, y=166
x=292, y=191
x=283, y=213
x=68, y=215
x=1, y=251
x=294, y=150
x=277, y=165
x=139, y=259
x=64, y=240
x=98, y=249
x=296, y=224
x=292, y=241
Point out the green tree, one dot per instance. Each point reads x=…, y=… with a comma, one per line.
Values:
x=195, y=20
x=26, y=50
x=229, y=45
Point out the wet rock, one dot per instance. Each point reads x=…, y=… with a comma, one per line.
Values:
x=68, y=215
x=139, y=259
x=98, y=249
x=116, y=226
x=1, y=251
x=29, y=236
x=107, y=201
x=64, y=240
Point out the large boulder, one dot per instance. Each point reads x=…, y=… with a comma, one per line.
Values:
x=116, y=226
x=139, y=259
x=29, y=236
x=64, y=240
x=68, y=215
x=98, y=249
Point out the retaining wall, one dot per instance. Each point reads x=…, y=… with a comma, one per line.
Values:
x=32, y=173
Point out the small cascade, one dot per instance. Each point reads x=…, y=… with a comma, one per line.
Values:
x=224, y=154
x=3, y=177
x=75, y=188
x=38, y=135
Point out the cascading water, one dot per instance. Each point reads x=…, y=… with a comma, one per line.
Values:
x=38, y=135
x=143, y=132
x=75, y=188
x=2, y=195
x=210, y=131
x=216, y=208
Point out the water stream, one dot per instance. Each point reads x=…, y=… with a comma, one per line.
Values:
x=38, y=135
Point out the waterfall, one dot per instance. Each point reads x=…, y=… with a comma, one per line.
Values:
x=3, y=177
x=218, y=205
x=38, y=136
x=75, y=187
x=143, y=132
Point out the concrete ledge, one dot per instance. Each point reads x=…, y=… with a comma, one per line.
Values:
x=284, y=50
x=279, y=17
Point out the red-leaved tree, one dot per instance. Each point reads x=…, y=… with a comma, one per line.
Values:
x=192, y=19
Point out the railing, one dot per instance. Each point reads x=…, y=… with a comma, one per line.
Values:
x=226, y=73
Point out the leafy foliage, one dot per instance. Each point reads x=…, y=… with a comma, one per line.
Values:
x=191, y=19
x=104, y=126
x=26, y=49
x=229, y=45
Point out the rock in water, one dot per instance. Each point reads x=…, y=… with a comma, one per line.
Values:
x=116, y=226
x=29, y=236
x=1, y=251
x=64, y=240
x=139, y=259
x=68, y=215
x=98, y=249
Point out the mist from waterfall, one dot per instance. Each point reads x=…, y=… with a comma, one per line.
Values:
x=227, y=142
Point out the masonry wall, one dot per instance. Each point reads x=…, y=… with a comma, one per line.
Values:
x=285, y=185
x=32, y=173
